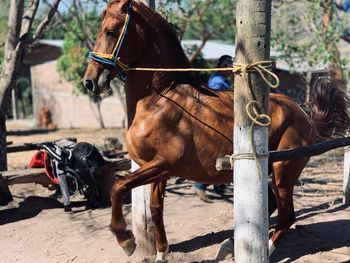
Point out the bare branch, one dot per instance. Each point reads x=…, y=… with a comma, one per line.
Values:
x=29, y=15
x=198, y=50
x=76, y=11
x=205, y=34
x=89, y=42
x=14, y=24
x=46, y=20
x=66, y=25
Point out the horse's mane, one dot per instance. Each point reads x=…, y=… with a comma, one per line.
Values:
x=163, y=27
x=168, y=32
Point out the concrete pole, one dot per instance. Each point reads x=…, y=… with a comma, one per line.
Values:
x=346, y=182
x=142, y=224
x=346, y=175
x=251, y=184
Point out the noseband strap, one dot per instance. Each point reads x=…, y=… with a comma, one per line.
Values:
x=113, y=59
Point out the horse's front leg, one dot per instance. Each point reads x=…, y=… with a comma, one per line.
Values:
x=157, y=208
x=150, y=172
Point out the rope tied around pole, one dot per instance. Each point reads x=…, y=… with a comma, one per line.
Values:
x=262, y=67
x=245, y=156
x=255, y=110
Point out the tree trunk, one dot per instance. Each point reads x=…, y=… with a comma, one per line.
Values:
x=99, y=115
x=5, y=194
x=18, y=36
x=346, y=171
x=250, y=175
x=10, y=71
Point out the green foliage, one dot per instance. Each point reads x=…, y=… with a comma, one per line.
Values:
x=299, y=35
x=197, y=19
x=3, y=31
x=72, y=64
x=55, y=30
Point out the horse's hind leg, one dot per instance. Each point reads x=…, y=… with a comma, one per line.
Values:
x=272, y=200
x=150, y=172
x=285, y=174
x=157, y=208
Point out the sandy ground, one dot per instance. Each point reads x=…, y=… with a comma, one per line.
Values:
x=35, y=228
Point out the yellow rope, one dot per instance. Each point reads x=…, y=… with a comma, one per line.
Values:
x=261, y=119
x=262, y=67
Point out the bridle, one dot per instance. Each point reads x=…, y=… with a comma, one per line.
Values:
x=113, y=59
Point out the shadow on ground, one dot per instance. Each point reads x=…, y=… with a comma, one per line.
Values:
x=30, y=132
x=201, y=241
x=311, y=239
x=31, y=207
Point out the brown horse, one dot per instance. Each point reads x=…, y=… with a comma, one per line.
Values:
x=179, y=127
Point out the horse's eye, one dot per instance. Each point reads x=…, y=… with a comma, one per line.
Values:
x=111, y=33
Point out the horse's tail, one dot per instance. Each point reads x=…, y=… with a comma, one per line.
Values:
x=329, y=107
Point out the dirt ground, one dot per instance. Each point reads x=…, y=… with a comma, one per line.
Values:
x=34, y=228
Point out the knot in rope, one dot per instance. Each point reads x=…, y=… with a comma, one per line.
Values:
x=263, y=68
x=246, y=156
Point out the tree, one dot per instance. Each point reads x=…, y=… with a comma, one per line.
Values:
x=72, y=64
x=3, y=27
x=204, y=20
x=313, y=33
x=20, y=34
x=78, y=25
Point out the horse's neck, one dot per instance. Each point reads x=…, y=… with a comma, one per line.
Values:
x=137, y=87
x=160, y=54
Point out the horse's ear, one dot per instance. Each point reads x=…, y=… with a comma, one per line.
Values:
x=123, y=4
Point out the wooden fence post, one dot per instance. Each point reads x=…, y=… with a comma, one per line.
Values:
x=250, y=177
x=346, y=182
x=142, y=224
x=346, y=178
x=5, y=194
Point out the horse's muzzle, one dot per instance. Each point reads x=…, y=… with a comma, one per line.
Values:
x=91, y=85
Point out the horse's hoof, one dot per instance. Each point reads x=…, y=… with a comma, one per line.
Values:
x=130, y=249
x=129, y=245
x=226, y=248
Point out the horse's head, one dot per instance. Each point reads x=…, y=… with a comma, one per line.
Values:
x=118, y=44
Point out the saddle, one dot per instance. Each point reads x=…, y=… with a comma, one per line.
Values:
x=76, y=163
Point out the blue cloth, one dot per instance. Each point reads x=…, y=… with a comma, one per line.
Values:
x=218, y=82
x=200, y=186
x=345, y=6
